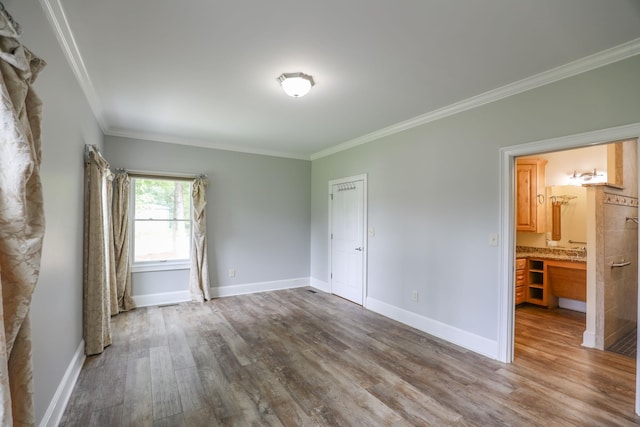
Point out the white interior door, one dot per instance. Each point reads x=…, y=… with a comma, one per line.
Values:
x=347, y=240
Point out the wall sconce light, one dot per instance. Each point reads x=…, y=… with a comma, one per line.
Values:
x=587, y=177
x=296, y=84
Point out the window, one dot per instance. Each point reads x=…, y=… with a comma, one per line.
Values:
x=161, y=223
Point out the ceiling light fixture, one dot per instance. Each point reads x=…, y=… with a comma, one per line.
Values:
x=296, y=84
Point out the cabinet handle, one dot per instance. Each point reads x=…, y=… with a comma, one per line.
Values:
x=541, y=199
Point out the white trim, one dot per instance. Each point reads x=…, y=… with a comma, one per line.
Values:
x=252, y=288
x=162, y=298
x=365, y=237
x=506, y=310
x=194, y=142
x=589, y=340
x=148, y=300
x=320, y=285
x=60, y=399
x=159, y=266
x=58, y=20
x=438, y=329
x=571, y=304
x=588, y=63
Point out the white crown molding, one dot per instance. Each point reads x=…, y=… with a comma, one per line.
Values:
x=148, y=136
x=588, y=63
x=58, y=20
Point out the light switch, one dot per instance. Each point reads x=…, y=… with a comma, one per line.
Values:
x=493, y=239
x=372, y=231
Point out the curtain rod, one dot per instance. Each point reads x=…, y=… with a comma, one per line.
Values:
x=159, y=174
x=91, y=148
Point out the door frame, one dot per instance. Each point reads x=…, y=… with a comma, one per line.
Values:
x=365, y=244
x=506, y=313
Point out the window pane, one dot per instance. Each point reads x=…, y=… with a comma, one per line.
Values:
x=162, y=240
x=162, y=199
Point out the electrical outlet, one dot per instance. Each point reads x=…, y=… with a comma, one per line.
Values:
x=414, y=296
x=232, y=272
x=493, y=239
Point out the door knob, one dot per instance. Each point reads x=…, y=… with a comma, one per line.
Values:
x=359, y=249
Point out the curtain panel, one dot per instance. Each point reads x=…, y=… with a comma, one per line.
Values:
x=98, y=265
x=121, y=243
x=21, y=223
x=199, y=272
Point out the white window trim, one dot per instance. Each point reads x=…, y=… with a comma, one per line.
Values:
x=151, y=266
x=147, y=266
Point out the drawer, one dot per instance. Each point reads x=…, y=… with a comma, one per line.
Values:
x=521, y=263
x=519, y=294
x=520, y=277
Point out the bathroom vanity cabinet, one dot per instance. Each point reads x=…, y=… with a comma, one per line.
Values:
x=548, y=280
x=566, y=280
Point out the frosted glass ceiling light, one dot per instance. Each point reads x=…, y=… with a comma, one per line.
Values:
x=296, y=84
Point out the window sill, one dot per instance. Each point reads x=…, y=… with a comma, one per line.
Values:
x=160, y=266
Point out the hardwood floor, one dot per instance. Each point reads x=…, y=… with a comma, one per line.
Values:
x=296, y=358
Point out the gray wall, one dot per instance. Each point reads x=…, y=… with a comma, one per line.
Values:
x=434, y=193
x=258, y=211
x=68, y=124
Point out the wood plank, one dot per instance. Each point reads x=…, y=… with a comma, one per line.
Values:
x=138, y=402
x=109, y=416
x=164, y=388
x=176, y=324
x=192, y=396
x=172, y=421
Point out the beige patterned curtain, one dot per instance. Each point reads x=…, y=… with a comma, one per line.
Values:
x=112, y=283
x=199, y=274
x=121, y=241
x=98, y=279
x=21, y=223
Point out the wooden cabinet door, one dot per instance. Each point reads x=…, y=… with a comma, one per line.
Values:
x=520, y=285
x=525, y=197
x=530, y=202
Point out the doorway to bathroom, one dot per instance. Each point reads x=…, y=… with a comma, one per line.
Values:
x=599, y=260
x=571, y=204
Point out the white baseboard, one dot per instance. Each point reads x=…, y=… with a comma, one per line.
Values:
x=252, y=288
x=319, y=284
x=571, y=304
x=160, y=299
x=221, y=291
x=58, y=403
x=465, y=339
x=588, y=339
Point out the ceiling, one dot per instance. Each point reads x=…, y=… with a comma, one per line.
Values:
x=205, y=72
